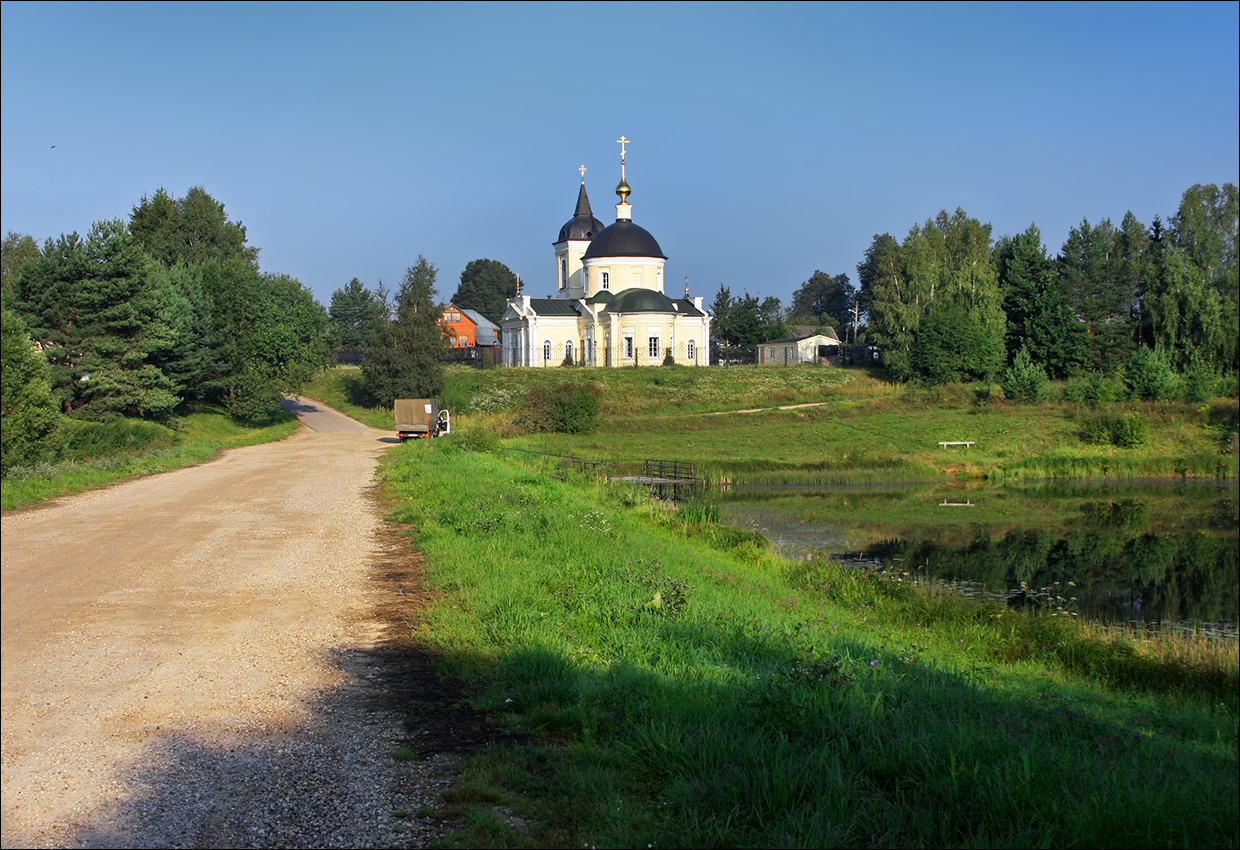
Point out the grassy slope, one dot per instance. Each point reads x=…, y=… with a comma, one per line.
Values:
x=859, y=427
x=691, y=690
x=192, y=439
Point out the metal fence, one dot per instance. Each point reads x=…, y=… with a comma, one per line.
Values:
x=667, y=479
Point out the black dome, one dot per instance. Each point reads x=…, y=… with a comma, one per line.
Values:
x=583, y=225
x=624, y=239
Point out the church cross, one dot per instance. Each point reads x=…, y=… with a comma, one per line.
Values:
x=622, y=141
x=582, y=169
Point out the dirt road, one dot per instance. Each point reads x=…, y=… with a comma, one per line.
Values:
x=192, y=659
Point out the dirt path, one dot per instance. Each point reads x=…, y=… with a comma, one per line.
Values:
x=196, y=658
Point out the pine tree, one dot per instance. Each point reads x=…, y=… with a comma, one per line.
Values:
x=405, y=354
x=1091, y=280
x=103, y=321
x=1037, y=318
x=354, y=310
x=30, y=420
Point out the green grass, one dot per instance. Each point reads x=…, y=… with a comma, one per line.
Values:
x=686, y=688
x=100, y=454
x=857, y=427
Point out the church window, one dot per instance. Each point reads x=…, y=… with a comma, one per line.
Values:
x=563, y=273
x=568, y=350
x=604, y=280
x=653, y=348
x=691, y=350
x=546, y=349
x=628, y=347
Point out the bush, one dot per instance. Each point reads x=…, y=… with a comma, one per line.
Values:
x=566, y=409
x=1124, y=430
x=1095, y=388
x=107, y=438
x=1199, y=384
x=476, y=440
x=1024, y=380
x=1150, y=376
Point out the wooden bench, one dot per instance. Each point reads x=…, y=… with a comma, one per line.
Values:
x=966, y=443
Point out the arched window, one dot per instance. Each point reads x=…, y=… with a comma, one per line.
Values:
x=604, y=280
x=568, y=350
x=563, y=273
x=691, y=351
x=546, y=349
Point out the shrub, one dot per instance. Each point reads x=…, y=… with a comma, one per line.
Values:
x=1199, y=384
x=567, y=409
x=1124, y=430
x=1100, y=387
x=1150, y=375
x=1024, y=380
x=85, y=440
x=476, y=440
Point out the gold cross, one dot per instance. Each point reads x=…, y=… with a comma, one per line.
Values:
x=582, y=169
x=622, y=141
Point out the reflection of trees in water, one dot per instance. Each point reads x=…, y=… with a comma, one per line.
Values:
x=1122, y=570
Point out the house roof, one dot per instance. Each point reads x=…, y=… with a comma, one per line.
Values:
x=794, y=339
x=554, y=307
x=480, y=320
x=487, y=332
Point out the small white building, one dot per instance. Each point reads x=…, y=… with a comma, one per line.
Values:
x=815, y=348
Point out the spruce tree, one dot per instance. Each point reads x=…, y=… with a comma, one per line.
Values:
x=30, y=420
x=404, y=359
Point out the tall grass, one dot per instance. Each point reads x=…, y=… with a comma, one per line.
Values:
x=687, y=688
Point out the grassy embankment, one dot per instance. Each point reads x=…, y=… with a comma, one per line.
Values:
x=97, y=454
x=683, y=687
x=858, y=427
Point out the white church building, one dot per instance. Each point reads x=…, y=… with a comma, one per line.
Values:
x=609, y=308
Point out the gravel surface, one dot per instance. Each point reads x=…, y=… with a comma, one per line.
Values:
x=205, y=658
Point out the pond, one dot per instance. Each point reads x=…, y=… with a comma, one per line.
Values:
x=1149, y=553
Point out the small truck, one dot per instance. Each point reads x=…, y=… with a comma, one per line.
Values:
x=420, y=417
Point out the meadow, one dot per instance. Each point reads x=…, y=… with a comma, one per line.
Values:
x=839, y=425
x=677, y=685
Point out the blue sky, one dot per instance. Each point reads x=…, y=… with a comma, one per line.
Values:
x=768, y=140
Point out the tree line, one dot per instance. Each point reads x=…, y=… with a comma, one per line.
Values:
x=949, y=302
x=143, y=316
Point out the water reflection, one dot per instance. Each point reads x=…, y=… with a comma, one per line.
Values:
x=1149, y=553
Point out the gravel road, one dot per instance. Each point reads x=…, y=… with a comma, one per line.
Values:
x=201, y=658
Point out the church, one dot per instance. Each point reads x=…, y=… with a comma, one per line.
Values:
x=609, y=308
